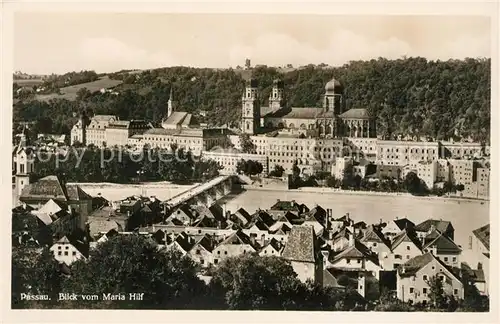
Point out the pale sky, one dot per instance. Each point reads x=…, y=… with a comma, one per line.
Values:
x=61, y=42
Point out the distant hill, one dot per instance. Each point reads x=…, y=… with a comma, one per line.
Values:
x=407, y=96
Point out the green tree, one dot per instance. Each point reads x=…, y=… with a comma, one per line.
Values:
x=247, y=146
x=132, y=264
x=277, y=172
x=436, y=292
x=253, y=282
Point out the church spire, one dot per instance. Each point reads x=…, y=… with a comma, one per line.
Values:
x=170, y=107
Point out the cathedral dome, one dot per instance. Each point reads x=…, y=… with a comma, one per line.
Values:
x=332, y=85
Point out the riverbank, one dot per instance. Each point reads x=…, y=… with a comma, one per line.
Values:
x=331, y=191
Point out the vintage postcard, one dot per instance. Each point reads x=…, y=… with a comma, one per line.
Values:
x=275, y=161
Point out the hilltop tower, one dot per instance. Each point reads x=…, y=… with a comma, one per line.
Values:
x=277, y=96
x=171, y=102
x=250, y=115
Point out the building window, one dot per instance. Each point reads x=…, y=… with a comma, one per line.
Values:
x=59, y=253
x=218, y=252
x=225, y=252
x=454, y=259
x=407, y=257
x=348, y=261
x=455, y=291
x=65, y=252
x=216, y=261
x=374, y=244
x=424, y=291
x=74, y=253
x=425, y=277
x=411, y=290
x=445, y=259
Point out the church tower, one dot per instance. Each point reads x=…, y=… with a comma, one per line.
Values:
x=250, y=114
x=24, y=160
x=171, y=102
x=277, y=96
x=333, y=99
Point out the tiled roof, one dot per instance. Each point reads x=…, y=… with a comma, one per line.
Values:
x=103, y=226
x=404, y=236
x=372, y=235
x=175, y=118
x=45, y=188
x=444, y=245
x=296, y=112
x=483, y=235
x=300, y=245
x=237, y=238
x=412, y=266
x=184, y=242
x=283, y=205
x=207, y=243
x=76, y=193
x=440, y=225
x=357, y=251
x=404, y=223
x=317, y=213
x=355, y=113
x=104, y=117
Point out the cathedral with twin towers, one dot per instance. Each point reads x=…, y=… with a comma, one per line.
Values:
x=329, y=121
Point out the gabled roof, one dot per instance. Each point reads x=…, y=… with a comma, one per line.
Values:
x=206, y=242
x=357, y=251
x=63, y=240
x=263, y=217
x=52, y=207
x=412, y=266
x=355, y=113
x=76, y=193
x=274, y=244
x=300, y=245
x=237, y=238
x=373, y=235
x=404, y=236
x=103, y=226
x=403, y=223
x=45, y=188
x=443, y=245
x=184, y=242
x=283, y=205
x=317, y=213
x=483, y=235
x=440, y=225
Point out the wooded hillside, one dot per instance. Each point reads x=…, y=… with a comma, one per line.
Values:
x=408, y=96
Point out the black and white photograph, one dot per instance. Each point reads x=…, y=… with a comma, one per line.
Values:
x=244, y=161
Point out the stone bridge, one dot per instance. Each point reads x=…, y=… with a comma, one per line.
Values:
x=206, y=194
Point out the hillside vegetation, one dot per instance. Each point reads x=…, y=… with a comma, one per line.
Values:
x=407, y=96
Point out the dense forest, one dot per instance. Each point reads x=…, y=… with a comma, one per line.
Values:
x=408, y=96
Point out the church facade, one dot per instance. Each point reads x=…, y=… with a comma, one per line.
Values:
x=329, y=121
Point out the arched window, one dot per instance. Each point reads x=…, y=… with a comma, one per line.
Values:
x=303, y=126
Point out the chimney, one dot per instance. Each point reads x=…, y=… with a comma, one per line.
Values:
x=347, y=216
x=228, y=214
x=252, y=240
x=351, y=239
x=262, y=240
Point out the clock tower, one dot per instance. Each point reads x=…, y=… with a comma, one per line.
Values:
x=250, y=114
